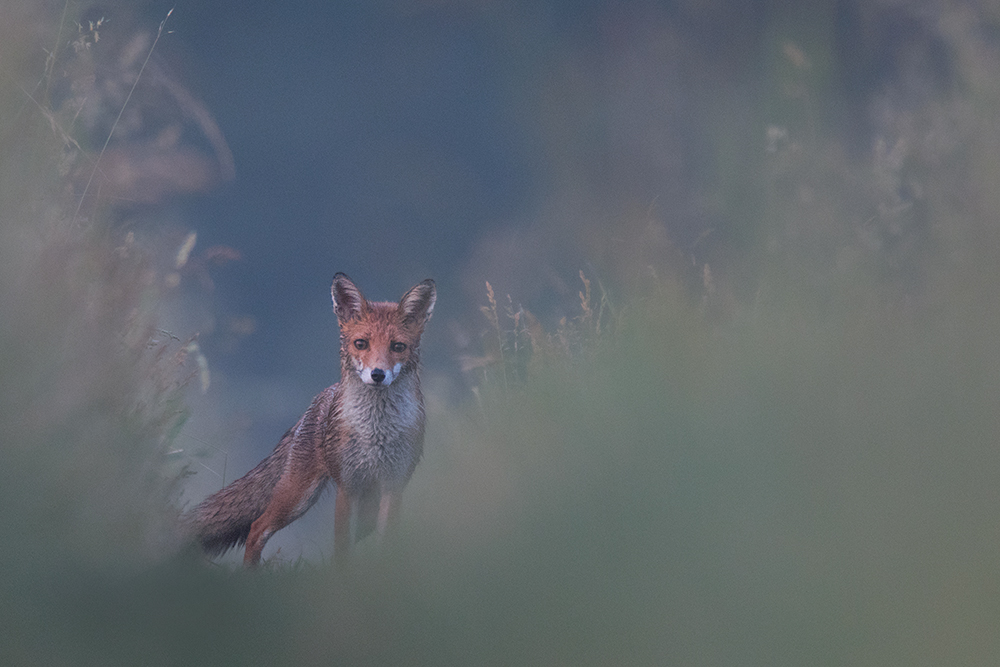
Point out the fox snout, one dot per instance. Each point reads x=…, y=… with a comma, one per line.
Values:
x=378, y=376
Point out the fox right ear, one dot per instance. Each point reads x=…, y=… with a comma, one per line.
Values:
x=348, y=301
x=418, y=304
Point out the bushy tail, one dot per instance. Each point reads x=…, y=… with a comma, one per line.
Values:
x=222, y=521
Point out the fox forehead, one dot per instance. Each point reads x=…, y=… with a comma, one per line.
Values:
x=381, y=322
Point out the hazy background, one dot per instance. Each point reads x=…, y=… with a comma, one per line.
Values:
x=767, y=436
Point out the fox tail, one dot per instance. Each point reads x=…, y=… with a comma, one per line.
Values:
x=222, y=521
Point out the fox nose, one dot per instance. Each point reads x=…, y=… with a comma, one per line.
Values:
x=378, y=375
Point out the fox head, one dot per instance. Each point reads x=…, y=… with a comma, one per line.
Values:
x=380, y=340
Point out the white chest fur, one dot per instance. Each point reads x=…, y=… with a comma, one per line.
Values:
x=381, y=427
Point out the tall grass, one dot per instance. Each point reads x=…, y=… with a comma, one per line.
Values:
x=791, y=489
x=90, y=395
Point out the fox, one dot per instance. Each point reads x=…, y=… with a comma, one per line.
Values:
x=364, y=434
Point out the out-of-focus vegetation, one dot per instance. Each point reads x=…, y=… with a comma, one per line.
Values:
x=797, y=469
x=90, y=389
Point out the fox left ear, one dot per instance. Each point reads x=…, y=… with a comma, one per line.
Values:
x=348, y=301
x=418, y=304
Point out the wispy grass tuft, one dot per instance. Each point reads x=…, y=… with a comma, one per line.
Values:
x=517, y=346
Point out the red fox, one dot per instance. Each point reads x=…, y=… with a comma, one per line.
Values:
x=365, y=434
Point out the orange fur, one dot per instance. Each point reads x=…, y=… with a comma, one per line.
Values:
x=365, y=434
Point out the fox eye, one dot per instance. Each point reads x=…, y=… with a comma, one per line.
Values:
x=397, y=347
x=361, y=344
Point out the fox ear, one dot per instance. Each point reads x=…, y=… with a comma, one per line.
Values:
x=418, y=304
x=348, y=301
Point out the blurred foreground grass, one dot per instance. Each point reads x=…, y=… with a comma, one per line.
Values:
x=821, y=491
